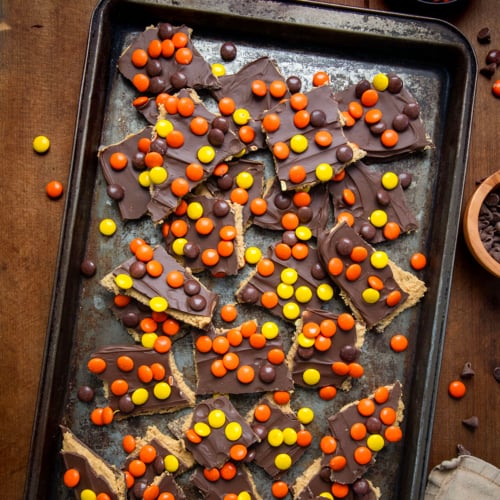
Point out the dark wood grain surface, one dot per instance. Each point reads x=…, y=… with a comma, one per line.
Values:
x=42, y=49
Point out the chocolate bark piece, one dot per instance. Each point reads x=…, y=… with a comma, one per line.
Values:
x=294, y=284
x=311, y=362
x=164, y=73
x=171, y=459
x=315, y=483
x=193, y=305
x=242, y=481
x=241, y=174
x=361, y=192
x=134, y=202
x=386, y=413
x=216, y=416
x=95, y=473
x=313, y=214
x=165, y=392
x=238, y=87
x=400, y=112
x=277, y=433
x=197, y=148
x=269, y=374
x=381, y=291
x=309, y=152
x=192, y=246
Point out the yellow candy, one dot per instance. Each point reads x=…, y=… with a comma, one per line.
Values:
x=148, y=340
x=390, y=180
x=324, y=292
x=107, y=227
x=241, y=116
x=303, y=294
x=311, y=376
x=162, y=390
x=291, y=310
x=375, y=442
x=218, y=69
x=298, y=143
x=216, y=418
x=124, y=281
x=202, y=429
x=284, y=291
x=244, y=180
x=289, y=276
x=195, y=210
x=143, y=179
x=324, y=172
x=275, y=437
x=380, y=82
x=378, y=218
x=171, y=463
x=163, y=128
x=206, y=154
x=370, y=295
x=158, y=304
x=41, y=144
x=305, y=415
x=270, y=330
x=253, y=255
x=87, y=495
x=178, y=246
x=326, y=494
x=158, y=175
x=140, y=396
x=379, y=259
x=244, y=495
x=304, y=341
x=289, y=436
x=303, y=233
x=233, y=431
x=283, y=461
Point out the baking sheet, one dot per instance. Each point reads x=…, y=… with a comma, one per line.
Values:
x=436, y=64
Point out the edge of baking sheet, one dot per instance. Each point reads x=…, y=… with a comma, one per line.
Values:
x=45, y=441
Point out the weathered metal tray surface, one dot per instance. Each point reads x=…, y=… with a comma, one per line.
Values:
x=436, y=64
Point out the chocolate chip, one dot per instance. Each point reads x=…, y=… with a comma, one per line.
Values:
x=361, y=87
x=467, y=371
x=294, y=84
x=282, y=200
x=156, y=84
x=383, y=197
x=493, y=56
x=221, y=208
x=348, y=353
x=471, y=422
x=125, y=404
x=137, y=269
x=344, y=153
x=405, y=179
x=88, y=268
x=178, y=80
x=130, y=319
x=496, y=373
x=191, y=250
x=317, y=118
x=153, y=67
x=165, y=30
x=378, y=128
x=139, y=488
x=412, y=110
x=317, y=271
x=305, y=214
x=221, y=122
x=373, y=425
x=325, y=473
x=368, y=231
x=159, y=465
x=305, y=352
x=484, y=35
x=115, y=192
x=85, y=394
x=197, y=302
x=400, y=122
x=462, y=450
x=344, y=246
x=228, y=51
x=489, y=70
x=225, y=182
x=192, y=287
x=216, y=137
x=289, y=238
x=267, y=373
x=361, y=487
x=395, y=84
x=159, y=145
x=260, y=430
x=138, y=161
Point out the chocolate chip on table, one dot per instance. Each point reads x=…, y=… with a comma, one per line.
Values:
x=496, y=373
x=493, y=56
x=471, y=422
x=489, y=70
x=228, y=51
x=484, y=35
x=85, y=394
x=88, y=268
x=467, y=370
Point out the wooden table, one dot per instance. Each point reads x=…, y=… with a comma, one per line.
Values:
x=42, y=48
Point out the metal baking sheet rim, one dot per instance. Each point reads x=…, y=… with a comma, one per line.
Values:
x=45, y=442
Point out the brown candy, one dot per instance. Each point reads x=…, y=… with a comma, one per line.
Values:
x=484, y=35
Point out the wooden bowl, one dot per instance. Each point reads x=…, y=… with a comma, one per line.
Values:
x=471, y=224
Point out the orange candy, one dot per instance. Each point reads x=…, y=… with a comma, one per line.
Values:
x=71, y=478
x=388, y=415
x=369, y=97
x=320, y=78
x=339, y=490
x=245, y=374
x=144, y=253
x=96, y=365
x=281, y=150
x=399, y=343
x=54, y=189
x=297, y=174
x=298, y=101
x=345, y=321
x=228, y=471
x=271, y=122
x=269, y=299
x=262, y=413
x=279, y=489
x=337, y=463
x=259, y=88
x=418, y=261
x=327, y=393
x=281, y=397
x=128, y=443
x=140, y=82
x=301, y=118
x=184, y=56
x=139, y=58
x=228, y=313
x=328, y=445
x=147, y=453
x=362, y=455
x=277, y=88
x=238, y=452
x=389, y=138
x=304, y=438
x=366, y=407
x=457, y=389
